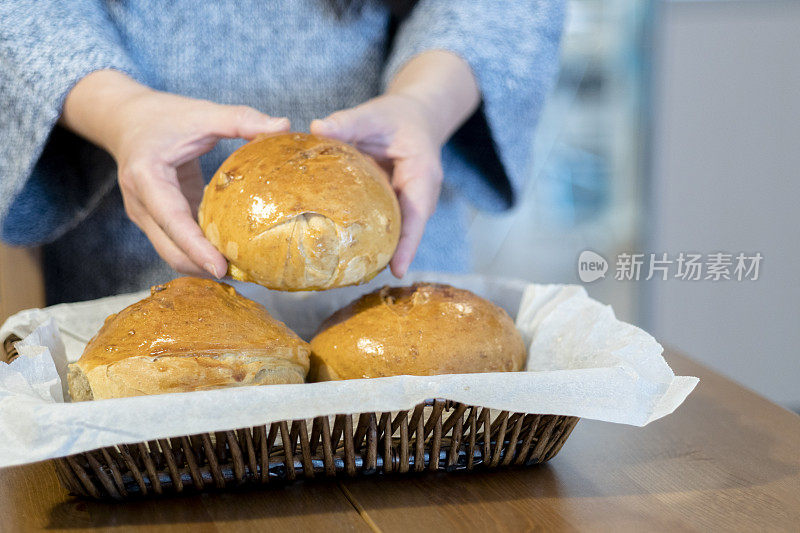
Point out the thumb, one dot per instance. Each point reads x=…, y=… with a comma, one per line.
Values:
x=349, y=125
x=238, y=121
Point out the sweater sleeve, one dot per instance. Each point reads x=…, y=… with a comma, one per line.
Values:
x=46, y=46
x=512, y=49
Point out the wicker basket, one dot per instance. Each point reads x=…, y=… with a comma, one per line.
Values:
x=435, y=435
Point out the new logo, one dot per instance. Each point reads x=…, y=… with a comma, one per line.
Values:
x=591, y=266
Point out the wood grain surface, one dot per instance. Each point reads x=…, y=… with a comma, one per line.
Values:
x=21, y=280
x=727, y=460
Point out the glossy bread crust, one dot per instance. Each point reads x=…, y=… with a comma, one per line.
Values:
x=299, y=212
x=424, y=329
x=189, y=334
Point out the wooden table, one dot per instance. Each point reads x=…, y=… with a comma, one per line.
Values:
x=726, y=460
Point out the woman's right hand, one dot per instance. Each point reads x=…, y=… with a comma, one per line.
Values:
x=156, y=139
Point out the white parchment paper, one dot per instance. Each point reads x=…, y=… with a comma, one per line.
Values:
x=582, y=362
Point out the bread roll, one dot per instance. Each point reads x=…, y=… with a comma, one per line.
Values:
x=299, y=212
x=424, y=329
x=189, y=334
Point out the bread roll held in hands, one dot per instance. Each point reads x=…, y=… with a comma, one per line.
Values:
x=299, y=212
x=189, y=334
x=424, y=329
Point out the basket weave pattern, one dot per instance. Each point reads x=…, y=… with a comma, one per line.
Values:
x=435, y=435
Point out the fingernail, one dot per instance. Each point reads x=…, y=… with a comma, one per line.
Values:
x=323, y=124
x=399, y=272
x=211, y=269
x=281, y=122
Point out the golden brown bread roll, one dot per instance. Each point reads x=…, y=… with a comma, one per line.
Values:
x=189, y=334
x=298, y=212
x=424, y=329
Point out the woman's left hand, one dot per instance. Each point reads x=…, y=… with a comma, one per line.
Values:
x=405, y=129
x=394, y=129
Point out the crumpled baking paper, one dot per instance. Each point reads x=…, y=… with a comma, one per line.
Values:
x=582, y=362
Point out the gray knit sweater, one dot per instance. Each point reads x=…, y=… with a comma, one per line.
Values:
x=290, y=58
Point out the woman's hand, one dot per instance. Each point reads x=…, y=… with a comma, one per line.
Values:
x=394, y=129
x=156, y=138
x=405, y=130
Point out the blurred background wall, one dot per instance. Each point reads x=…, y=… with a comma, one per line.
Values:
x=674, y=127
x=726, y=176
